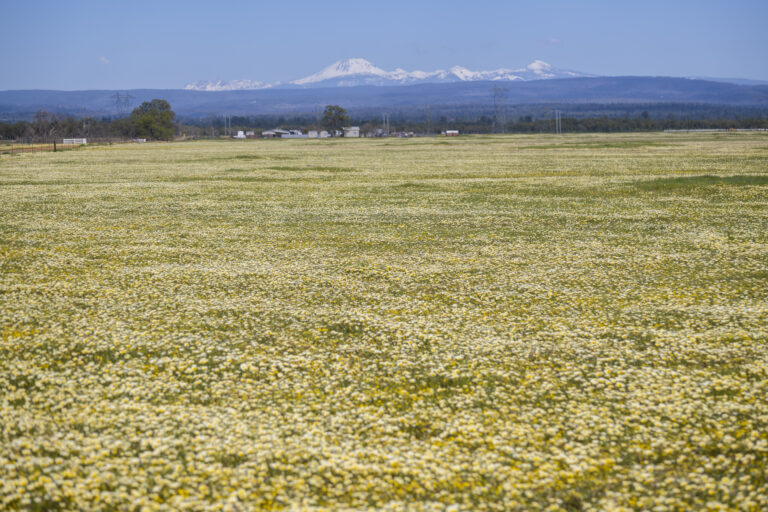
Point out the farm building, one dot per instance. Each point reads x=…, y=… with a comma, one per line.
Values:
x=279, y=133
x=274, y=134
x=351, y=131
x=451, y=133
x=294, y=134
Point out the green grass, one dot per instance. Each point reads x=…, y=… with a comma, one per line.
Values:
x=702, y=181
x=625, y=144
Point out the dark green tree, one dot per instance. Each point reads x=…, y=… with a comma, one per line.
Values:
x=153, y=120
x=334, y=118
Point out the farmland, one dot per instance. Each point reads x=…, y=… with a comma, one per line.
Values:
x=577, y=322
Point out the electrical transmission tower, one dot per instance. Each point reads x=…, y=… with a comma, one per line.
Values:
x=227, y=124
x=122, y=103
x=499, y=113
x=428, y=120
x=558, y=122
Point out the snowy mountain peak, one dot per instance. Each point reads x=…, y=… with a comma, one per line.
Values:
x=221, y=85
x=462, y=73
x=355, y=67
x=538, y=66
x=356, y=72
x=342, y=68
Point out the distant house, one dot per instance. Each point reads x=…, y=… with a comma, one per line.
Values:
x=294, y=134
x=274, y=134
x=351, y=131
x=279, y=133
x=451, y=133
x=240, y=135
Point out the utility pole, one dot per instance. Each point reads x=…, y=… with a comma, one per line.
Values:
x=428, y=116
x=558, y=122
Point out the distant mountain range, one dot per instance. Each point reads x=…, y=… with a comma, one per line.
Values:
x=465, y=98
x=739, y=81
x=360, y=72
x=366, y=90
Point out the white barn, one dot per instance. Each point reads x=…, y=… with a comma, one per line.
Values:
x=351, y=131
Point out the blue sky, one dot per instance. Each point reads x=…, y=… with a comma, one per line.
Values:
x=74, y=45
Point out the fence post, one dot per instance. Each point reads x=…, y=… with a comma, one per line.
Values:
x=54, y=146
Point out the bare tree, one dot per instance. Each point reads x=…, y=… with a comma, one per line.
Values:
x=46, y=125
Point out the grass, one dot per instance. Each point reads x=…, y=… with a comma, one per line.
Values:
x=357, y=324
x=702, y=181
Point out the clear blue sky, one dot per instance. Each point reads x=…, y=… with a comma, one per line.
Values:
x=167, y=44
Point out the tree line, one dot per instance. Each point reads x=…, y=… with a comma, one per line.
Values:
x=151, y=120
x=156, y=120
x=481, y=124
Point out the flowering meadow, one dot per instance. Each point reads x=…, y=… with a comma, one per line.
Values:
x=492, y=323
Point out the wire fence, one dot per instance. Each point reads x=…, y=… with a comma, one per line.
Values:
x=15, y=146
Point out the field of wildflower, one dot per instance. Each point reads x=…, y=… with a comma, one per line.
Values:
x=574, y=322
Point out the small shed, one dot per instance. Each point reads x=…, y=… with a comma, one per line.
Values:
x=451, y=133
x=351, y=131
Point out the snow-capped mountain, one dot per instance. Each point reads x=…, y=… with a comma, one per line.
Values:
x=342, y=69
x=356, y=72
x=232, y=85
